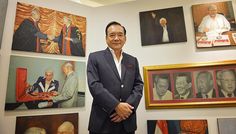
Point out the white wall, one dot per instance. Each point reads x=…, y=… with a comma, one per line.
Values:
x=128, y=15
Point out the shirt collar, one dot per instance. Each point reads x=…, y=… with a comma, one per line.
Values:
x=113, y=54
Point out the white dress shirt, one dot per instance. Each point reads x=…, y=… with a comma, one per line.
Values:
x=117, y=61
x=219, y=24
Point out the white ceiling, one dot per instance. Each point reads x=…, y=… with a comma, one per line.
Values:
x=97, y=3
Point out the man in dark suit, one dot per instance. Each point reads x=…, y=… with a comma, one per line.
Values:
x=149, y=32
x=27, y=36
x=204, y=82
x=226, y=83
x=165, y=33
x=183, y=86
x=115, y=84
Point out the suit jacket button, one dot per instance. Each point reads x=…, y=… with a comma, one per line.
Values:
x=122, y=86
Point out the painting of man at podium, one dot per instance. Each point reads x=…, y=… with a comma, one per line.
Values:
x=31, y=86
x=214, y=24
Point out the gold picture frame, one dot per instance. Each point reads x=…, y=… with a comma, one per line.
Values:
x=213, y=74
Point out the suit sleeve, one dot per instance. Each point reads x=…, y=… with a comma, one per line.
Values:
x=101, y=95
x=68, y=92
x=137, y=91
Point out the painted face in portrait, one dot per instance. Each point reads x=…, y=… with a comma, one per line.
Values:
x=36, y=15
x=228, y=82
x=212, y=10
x=182, y=86
x=204, y=83
x=162, y=86
x=48, y=76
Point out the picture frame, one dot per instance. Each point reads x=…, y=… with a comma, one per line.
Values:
x=42, y=30
x=195, y=126
x=162, y=26
x=33, y=82
x=214, y=24
x=226, y=125
x=44, y=124
x=190, y=85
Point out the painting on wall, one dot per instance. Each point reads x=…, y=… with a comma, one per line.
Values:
x=177, y=127
x=226, y=125
x=3, y=11
x=162, y=26
x=39, y=83
x=191, y=85
x=48, y=124
x=43, y=30
x=214, y=24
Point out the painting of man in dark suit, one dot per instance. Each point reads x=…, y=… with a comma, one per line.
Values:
x=205, y=85
x=162, y=26
x=226, y=83
x=183, y=86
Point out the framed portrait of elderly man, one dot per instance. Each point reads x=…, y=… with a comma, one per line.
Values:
x=214, y=24
x=211, y=84
x=48, y=124
x=43, y=30
x=162, y=26
x=41, y=83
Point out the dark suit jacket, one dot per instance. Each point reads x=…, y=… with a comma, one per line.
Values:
x=222, y=95
x=25, y=37
x=177, y=96
x=199, y=95
x=108, y=89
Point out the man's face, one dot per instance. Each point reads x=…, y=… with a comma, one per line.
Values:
x=203, y=84
x=64, y=130
x=228, y=82
x=162, y=86
x=48, y=76
x=212, y=12
x=66, y=21
x=36, y=15
x=64, y=69
x=182, y=85
x=163, y=22
x=115, y=37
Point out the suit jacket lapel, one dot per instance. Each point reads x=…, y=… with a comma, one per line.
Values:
x=123, y=67
x=111, y=62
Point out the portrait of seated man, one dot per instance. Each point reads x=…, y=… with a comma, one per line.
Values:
x=183, y=86
x=205, y=85
x=226, y=83
x=214, y=22
x=161, y=87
